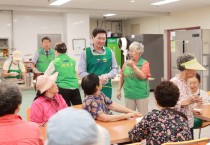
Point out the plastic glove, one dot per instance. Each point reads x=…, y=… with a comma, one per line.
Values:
x=13, y=74
x=104, y=79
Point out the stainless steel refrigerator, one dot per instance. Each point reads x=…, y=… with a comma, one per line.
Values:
x=196, y=42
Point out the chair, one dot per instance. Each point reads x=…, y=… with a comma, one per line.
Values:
x=137, y=143
x=202, y=141
x=78, y=106
x=205, y=124
x=28, y=114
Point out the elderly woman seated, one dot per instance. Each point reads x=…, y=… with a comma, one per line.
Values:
x=165, y=124
x=99, y=105
x=13, y=130
x=47, y=101
x=72, y=126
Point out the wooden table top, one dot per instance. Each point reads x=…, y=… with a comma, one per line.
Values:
x=205, y=113
x=118, y=130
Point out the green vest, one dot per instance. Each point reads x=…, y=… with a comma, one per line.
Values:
x=18, y=71
x=100, y=64
x=44, y=60
x=134, y=87
x=67, y=77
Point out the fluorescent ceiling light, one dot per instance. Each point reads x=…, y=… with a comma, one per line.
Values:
x=109, y=15
x=163, y=2
x=58, y=2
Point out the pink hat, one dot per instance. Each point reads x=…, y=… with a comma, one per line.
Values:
x=44, y=82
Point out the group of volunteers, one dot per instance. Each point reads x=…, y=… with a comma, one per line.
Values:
x=58, y=88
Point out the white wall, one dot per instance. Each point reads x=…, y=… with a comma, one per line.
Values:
x=77, y=26
x=6, y=25
x=188, y=18
x=158, y=25
x=105, y=24
x=28, y=24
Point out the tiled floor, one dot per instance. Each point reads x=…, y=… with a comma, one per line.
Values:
x=28, y=96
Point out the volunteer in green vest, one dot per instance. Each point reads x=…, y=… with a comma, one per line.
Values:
x=134, y=79
x=99, y=60
x=43, y=56
x=14, y=68
x=67, y=80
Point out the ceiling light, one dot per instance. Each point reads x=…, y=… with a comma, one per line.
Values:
x=109, y=15
x=58, y=2
x=133, y=1
x=163, y=2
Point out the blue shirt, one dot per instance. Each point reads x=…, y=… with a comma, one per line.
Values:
x=36, y=56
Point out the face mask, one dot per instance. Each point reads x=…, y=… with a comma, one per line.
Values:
x=16, y=61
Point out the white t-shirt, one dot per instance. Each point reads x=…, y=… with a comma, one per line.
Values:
x=14, y=67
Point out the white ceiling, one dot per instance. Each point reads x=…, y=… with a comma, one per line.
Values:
x=96, y=8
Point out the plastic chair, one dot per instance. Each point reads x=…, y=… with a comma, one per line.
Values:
x=138, y=143
x=202, y=141
x=78, y=106
x=28, y=114
x=205, y=124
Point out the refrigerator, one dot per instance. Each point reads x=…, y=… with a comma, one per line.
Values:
x=153, y=52
x=112, y=43
x=195, y=42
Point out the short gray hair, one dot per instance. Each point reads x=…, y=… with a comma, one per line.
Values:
x=182, y=59
x=138, y=46
x=10, y=98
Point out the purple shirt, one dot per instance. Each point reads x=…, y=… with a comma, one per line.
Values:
x=96, y=105
x=43, y=108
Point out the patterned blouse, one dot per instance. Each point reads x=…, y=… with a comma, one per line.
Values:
x=162, y=126
x=185, y=93
x=96, y=105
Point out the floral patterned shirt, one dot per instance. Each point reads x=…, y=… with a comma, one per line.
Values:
x=162, y=126
x=96, y=105
x=185, y=93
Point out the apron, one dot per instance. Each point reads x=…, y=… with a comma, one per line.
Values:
x=11, y=70
x=100, y=64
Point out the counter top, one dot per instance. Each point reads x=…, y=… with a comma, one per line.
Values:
x=20, y=83
x=23, y=87
x=116, y=79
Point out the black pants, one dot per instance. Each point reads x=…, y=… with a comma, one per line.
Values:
x=71, y=96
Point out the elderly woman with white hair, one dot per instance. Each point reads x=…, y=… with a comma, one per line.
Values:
x=134, y=79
